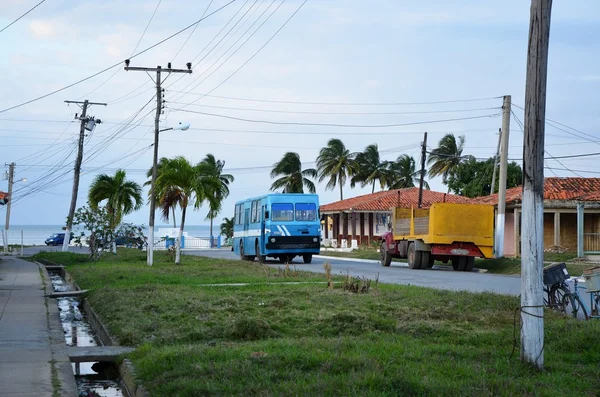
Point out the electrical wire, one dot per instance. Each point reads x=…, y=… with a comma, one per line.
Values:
x=192, y=32
x=335, y=124
x=116, y=64
x=23, y=15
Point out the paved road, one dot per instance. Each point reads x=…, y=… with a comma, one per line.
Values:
x=398, y=273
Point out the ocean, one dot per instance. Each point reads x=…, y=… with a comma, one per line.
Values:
x=37, y=234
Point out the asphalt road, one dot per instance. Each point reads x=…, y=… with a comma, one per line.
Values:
x=397, y=273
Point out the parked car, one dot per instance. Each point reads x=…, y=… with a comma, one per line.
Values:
x=57, y=239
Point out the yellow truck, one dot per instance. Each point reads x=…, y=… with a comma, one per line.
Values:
x=447, y=232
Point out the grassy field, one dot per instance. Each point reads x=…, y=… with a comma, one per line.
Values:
x=272, y=337
x=497, y=266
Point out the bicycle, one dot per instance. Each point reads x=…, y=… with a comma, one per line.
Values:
x=577, y=303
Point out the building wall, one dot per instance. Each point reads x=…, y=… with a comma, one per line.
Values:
x=548, y=229
x=509, y=234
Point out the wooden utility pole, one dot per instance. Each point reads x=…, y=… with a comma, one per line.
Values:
x=77, y=169
x=532, y=256
x=159, y=105
x=499, y=240
x=11, y=180
x=496, y=162
x=423, y=158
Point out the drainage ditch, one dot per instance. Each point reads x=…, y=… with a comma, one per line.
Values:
x=93, y=378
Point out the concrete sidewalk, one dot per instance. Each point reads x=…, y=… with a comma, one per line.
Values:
x=33, y=352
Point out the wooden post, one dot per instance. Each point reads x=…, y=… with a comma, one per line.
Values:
x=422, y=178
x=500, y=217
x=532, y=260
x=580, y=230
x=371, y=234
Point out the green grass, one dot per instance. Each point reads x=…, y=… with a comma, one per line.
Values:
x=305, y=339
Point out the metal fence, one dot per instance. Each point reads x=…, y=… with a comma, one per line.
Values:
x=188, y=243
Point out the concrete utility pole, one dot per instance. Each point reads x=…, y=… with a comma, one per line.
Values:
x=87, y=123
x=423, y=158
x=11, y=177
x=532, y=257
x=496, y=162
x=499, y=240
x=158, y=70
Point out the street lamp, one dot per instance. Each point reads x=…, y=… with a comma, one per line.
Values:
x=150, y=253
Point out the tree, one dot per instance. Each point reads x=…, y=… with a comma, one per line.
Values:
x=97, y=222
x=402, y=173
x=370, y=168
x=293, y=178
x=473, y=178
x=336, y=163
x=171, y=198
x=227, y=227
x=213, y=167
x=194, y=186
x=122, y=196
x=447, y=157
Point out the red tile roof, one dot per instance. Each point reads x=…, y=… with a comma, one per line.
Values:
x=384, y=201
x=582, y=189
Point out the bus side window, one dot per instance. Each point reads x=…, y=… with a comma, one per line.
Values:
x=266, y=214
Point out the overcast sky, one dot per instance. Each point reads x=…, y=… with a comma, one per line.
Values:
x=401, y=52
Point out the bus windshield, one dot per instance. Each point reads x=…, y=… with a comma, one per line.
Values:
x=306, y=211
x=282, y=212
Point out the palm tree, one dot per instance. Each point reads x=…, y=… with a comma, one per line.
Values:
x=192, y=185
x=227, y=227
x=213, y=167
x=122, y=197
x=370, y=168
x=171, y=198
x=336, y=163
x=402, y=173
x=447, y=157
x=293, y=177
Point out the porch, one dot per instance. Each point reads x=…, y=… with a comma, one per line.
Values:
x=353, y=229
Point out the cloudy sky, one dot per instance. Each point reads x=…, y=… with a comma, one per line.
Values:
x=435, y=66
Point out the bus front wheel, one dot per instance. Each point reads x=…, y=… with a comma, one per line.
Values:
x=243, y=257
x=307, y=258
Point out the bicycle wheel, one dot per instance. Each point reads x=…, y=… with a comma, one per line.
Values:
x=572, y=305
x=556, y=296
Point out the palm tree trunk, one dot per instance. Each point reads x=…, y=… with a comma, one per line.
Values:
x=341, y=192
x=174, y=221
x=211, y=232
x=178, y=242
x=114, y=230
x=373, y=190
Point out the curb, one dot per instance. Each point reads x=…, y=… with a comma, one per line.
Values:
x=398, y=264
x=129, y=379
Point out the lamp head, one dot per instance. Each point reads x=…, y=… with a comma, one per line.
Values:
x=182, y=126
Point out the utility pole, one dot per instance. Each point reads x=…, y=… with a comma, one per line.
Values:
x=532, y=257
x=158, y=70
x=496, y=162
x=499, y=240
x=11, y=178
x=423, y=158
x=87, y=123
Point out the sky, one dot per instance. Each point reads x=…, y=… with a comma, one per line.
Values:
x=436, y=66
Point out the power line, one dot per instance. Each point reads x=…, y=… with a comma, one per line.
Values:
x=334, y=124
x=193, y=30
x=19, y=18
x=118, y=63
x=338, y=103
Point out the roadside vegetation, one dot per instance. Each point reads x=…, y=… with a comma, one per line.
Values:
x=288, y=333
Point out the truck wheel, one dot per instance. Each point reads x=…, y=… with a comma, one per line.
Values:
x=459, y=263
x=307, y=258
x=414, y=257
x=470, y=264
x=426, y=260
x=261, y=258
x=386, y=258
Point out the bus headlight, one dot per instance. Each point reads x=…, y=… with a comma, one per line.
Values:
x=315, y=239
x=272, y=239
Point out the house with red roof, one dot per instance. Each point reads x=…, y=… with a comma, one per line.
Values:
x=562, y=197
x=365, y=218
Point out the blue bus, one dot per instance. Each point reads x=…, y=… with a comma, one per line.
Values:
x=280, y=225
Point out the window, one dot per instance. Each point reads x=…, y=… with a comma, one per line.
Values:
x=238, y=214
x=306, y=212
x=253, y=212
x=282, y=212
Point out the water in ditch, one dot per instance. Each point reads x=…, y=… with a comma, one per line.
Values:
x=94, y=379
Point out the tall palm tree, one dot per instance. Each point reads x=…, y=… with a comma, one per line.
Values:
x=370, y=168
x=122, y=196
x=193, y=185
x=227, y=227
x=336, y=163
x=445, y=159
x=402, y=173
x=213, y=167
x=171, y=198
x=293, y=178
